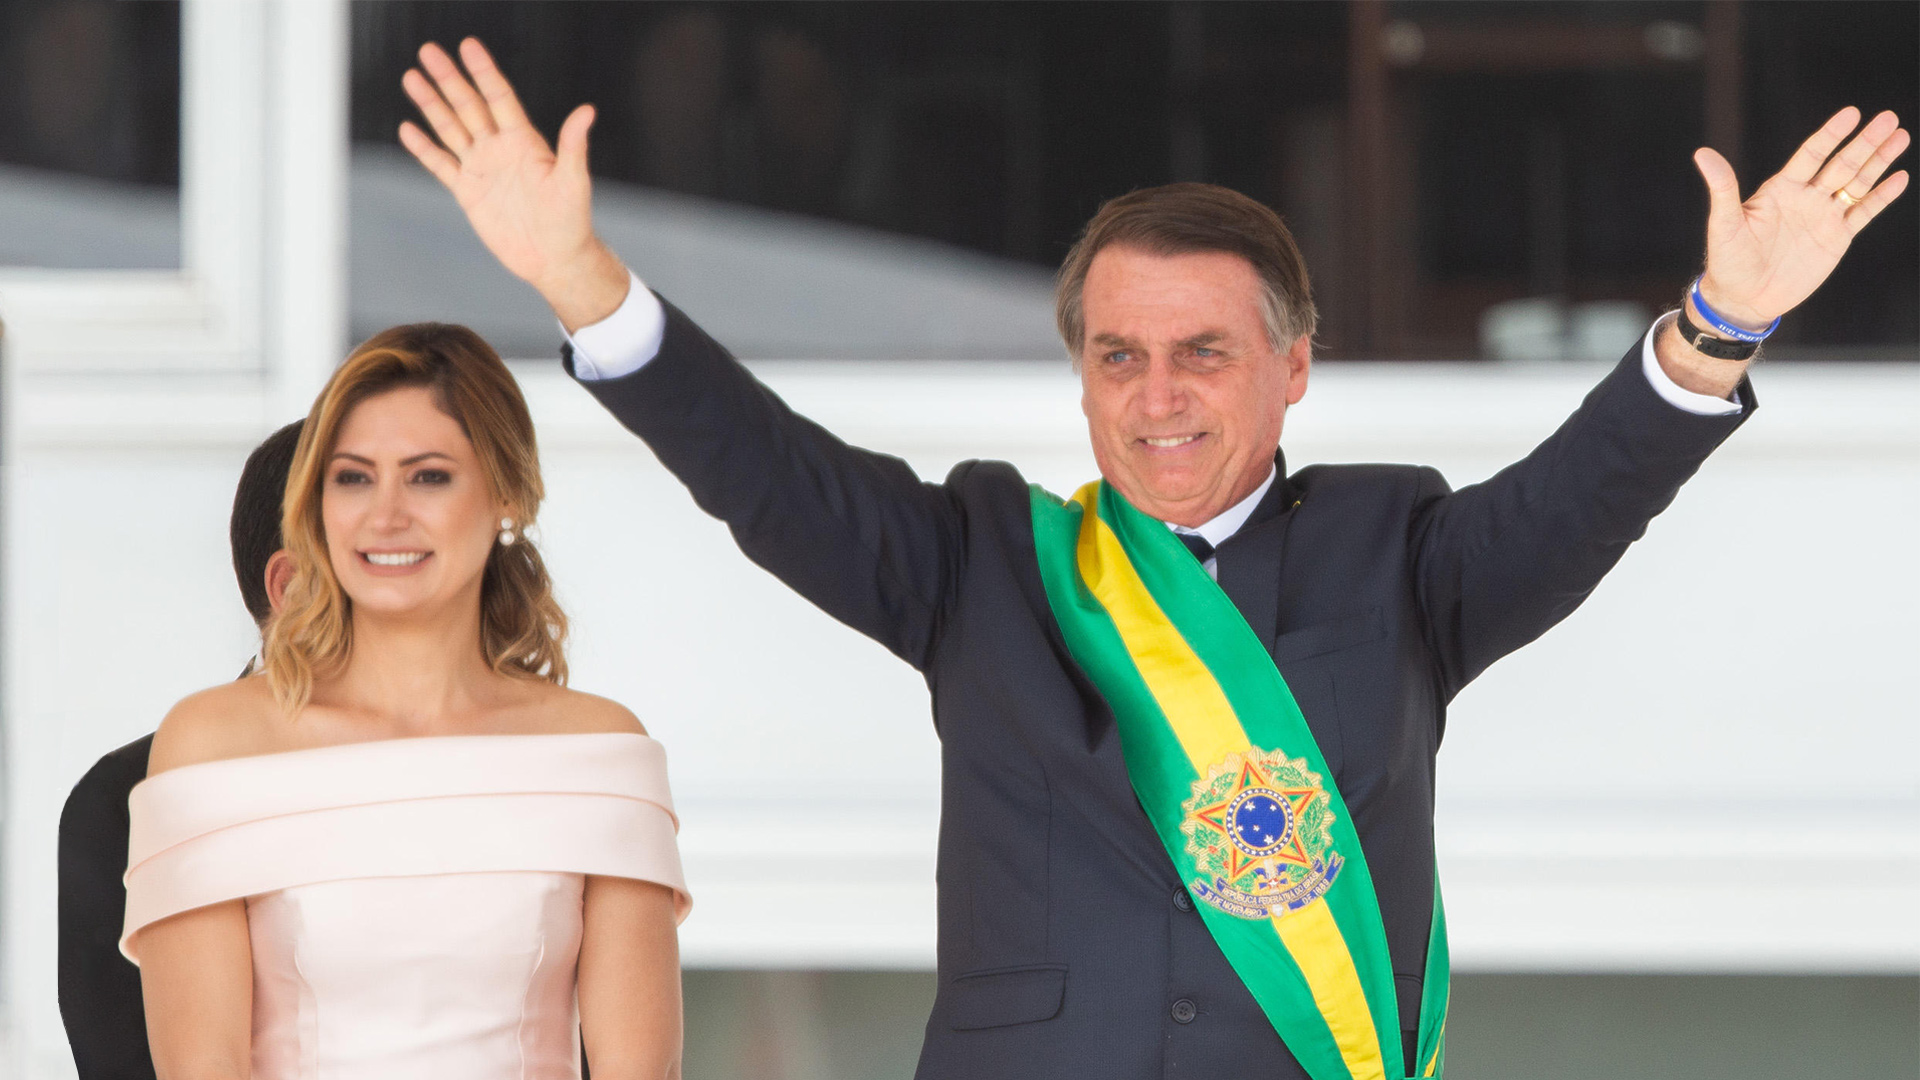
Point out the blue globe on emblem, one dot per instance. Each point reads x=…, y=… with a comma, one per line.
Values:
x=1260, y=821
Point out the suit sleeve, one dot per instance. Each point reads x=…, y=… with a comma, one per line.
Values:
x=100, y=1001
x=1500, y=562
x=856, y=532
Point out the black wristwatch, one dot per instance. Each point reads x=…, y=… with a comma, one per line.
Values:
x=1716, y=347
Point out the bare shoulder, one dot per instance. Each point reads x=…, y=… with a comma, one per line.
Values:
x=575, y=712
x=230, y=720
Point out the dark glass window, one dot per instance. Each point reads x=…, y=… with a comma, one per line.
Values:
x=90, y=136
x=1520, y=149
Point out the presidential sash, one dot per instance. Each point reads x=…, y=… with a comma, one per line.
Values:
x=1236, y=787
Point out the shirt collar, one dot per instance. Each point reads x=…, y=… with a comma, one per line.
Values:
x=1228, y=522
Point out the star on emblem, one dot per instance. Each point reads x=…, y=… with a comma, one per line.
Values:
x=1260, y=820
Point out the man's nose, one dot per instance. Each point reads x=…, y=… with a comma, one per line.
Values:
x=1165, y=392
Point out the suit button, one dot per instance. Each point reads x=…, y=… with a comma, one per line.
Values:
x=1184, y=1011
x=1181, y=900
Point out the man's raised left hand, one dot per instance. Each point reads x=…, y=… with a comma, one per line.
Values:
x=1769, y=253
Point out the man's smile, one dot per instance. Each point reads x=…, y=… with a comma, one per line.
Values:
x=1172, y=442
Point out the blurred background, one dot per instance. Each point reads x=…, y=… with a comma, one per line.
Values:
x=1680, y=835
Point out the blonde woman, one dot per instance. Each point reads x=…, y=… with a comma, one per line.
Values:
x=407, y=849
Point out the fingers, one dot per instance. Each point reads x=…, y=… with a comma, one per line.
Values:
x=1857, y=154
x=1813, y=153
x=1862, y=181
x=1723, y=189
x=571, y=147
x=494, y=87
x=467, y=102
x=443, y=165
x=432, y=106
x=1877, y=201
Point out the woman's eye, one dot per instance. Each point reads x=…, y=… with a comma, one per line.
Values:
x=351, y=476
x=432, y=476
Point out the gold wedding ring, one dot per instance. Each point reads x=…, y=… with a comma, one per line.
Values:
x=1845, y=197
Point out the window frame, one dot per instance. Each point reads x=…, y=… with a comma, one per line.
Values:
x=263, y=165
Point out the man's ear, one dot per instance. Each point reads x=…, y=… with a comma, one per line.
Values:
x=1299, y=363
x=279, y=575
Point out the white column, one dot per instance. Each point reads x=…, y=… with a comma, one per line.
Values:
x=306, y=200
x=221, y=68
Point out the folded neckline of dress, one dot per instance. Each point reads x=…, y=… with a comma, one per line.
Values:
x=406, y=741
x=171, y=807
x=588, y=802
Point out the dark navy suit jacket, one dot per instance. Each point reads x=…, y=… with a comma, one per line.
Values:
x=99, y=988
x=1065, y=938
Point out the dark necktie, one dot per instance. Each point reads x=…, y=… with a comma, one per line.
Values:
x=1198, y=545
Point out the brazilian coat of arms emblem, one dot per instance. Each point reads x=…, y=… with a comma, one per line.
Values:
x=1259, y=828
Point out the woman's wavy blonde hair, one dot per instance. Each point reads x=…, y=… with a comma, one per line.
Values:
x=522, y=629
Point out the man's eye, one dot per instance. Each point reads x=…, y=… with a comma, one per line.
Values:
x=432, y=476
x=1205, y=352
x=1119, y=357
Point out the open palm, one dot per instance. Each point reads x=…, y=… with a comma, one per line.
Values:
x=531, y=206
x=1769, y=253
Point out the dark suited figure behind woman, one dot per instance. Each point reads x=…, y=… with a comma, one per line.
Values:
x=99, y=989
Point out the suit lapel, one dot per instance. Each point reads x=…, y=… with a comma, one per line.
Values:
x=1248, y=562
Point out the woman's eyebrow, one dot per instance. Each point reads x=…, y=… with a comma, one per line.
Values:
x=414, y=460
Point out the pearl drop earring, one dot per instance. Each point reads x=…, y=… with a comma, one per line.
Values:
x=506, y=531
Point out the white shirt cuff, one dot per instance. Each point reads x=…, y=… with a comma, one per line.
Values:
x=1676, y=395
x=624, y=341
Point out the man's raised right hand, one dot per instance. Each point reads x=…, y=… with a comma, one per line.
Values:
x=532, y=207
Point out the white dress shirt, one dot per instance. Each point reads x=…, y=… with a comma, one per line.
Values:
x=1227, y=522
x=624, y=341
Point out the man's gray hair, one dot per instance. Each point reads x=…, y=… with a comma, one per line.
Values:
x=1181, y=219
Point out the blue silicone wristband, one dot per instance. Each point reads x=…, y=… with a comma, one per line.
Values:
x=1713, y=320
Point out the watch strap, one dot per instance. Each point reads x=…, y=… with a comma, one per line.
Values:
x=1718, y=348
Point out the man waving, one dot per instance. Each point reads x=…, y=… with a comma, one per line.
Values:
x=1188, y=717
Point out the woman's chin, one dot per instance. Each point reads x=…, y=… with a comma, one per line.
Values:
x=393, y=600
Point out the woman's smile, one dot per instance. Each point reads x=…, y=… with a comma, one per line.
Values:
x=393, y=563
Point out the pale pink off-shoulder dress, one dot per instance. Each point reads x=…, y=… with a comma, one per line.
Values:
x=414, y=904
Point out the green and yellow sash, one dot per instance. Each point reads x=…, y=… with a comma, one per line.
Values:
x=1229, y=773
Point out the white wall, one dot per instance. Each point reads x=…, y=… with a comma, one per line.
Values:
x=1710, y=767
